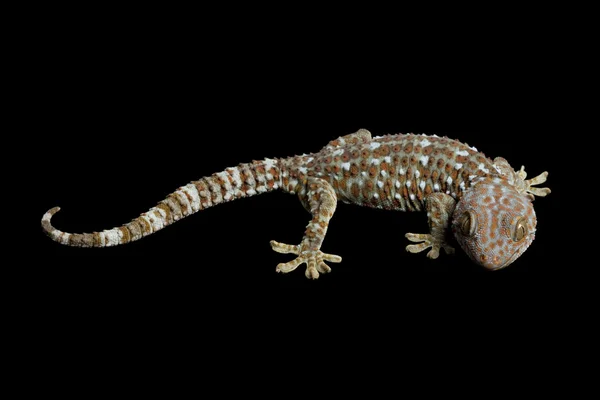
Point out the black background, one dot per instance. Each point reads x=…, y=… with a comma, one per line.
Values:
x=124, y=119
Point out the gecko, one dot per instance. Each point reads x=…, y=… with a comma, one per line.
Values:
x=485, y=203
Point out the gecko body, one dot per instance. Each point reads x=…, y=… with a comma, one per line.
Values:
x=485, y=203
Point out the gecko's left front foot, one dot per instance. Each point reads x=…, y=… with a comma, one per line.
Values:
x=314, y=260
x=426, y=241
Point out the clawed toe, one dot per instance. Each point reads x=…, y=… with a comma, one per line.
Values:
x=425, y=241
x=314, y=260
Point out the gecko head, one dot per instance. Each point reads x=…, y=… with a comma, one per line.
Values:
x=494, y=223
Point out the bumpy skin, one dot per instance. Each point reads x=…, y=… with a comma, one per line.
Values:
x=486, y=203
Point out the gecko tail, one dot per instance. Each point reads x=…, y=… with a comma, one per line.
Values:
x=245, y=180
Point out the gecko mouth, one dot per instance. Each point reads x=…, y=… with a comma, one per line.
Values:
x=506, y=263
x=515, y=255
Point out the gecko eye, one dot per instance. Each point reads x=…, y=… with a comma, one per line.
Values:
x=520, y=230
x=467, y=224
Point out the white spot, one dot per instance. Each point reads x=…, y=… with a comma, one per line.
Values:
x=303, y=170
x=498, y=169
x=422, y=185
x=249, y=178
x=462, y=186
x=364, y=173
x=65, y=238
x=436, y=186
x=397, y=184
x=193, y=192
x=377, y=137
x=376, y=195
x=397, y=196
x=471, y=177
x=447, y=192
x=113, y=237
x=224, y=176
x=483, y=168
x=461, y=153
x=374, y=145
x=237, y=179
x=449, y=180
x=412, y=196
x=424, y=160
x=183, y=199
x=380, y=184
x=408, y=183
x=473, y=148
x=417, y=174
x=375, y=161
x=338, y=152
x=346, y=166
x=270, y=163
x=401, y=171
x=156, y=222
x=250, y=192
x=261, y=189
x=309, y=159
x=457, y=166
x=387, y=159
x=383, y=173
x=425, y=142
x=216, y=190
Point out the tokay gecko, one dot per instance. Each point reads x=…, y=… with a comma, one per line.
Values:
x=485, y=203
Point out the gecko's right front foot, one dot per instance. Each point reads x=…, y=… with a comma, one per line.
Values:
x=314, y=259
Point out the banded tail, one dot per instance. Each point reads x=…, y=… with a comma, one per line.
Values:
x=242, y=181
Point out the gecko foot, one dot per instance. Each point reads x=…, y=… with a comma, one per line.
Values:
x=426, y=241
x=315, y=260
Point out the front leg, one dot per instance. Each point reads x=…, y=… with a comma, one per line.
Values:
x=320, y=199
x=440, y=207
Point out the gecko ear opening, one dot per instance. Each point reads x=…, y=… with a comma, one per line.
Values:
x=467, y=224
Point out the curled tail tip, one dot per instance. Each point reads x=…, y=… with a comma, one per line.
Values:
x=46, y=225
x=53, y=211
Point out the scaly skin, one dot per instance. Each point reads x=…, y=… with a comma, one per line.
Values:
x=485, y=202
